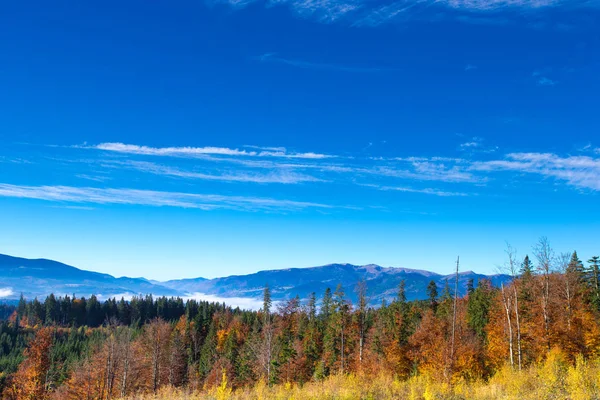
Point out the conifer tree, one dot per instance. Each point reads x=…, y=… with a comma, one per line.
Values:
x=432, y=294
x=593, y=277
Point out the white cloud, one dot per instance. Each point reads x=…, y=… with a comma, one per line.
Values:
x=490, y=5
x=385, y=13
x=152, y=198
x=428, y=170
x=200, y=152
x=476, y=145
x=432, y=191
x=369, y=13
x=283, y=176
x=543, y=81
x=6, y=292
x=578, y=171
x=245, y=303
x=171, y=151
x=470, y=144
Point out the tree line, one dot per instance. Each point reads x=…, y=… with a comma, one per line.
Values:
x=75, y=348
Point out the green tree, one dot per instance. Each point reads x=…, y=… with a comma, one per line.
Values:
x=593, y=278
x=478, y=308
x=52, y=310
x=432, y=295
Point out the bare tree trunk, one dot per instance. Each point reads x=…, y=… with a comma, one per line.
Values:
x=452, y=348
x=126, y=359
x=517, y=320
x=512, y=268
x=569, y=290
x=506, y=303
x=545, y=256
x=362, y=309
x=342, y=348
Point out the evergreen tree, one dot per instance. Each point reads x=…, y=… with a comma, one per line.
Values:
x=52, y=310
x=526, y=268
x=402, y=292
x=576, y=268
x=22, y=307
x=593, y=278
x=478, y=308
x=470, y=286
x=326, y=305
x=432, y=295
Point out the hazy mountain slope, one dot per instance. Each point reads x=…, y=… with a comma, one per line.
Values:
x=382, y=282
x=40, y=277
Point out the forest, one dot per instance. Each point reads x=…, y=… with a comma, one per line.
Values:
x=535, y=337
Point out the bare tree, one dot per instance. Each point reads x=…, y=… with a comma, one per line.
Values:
x=452, y=346
x=569, y=287
x=506, y=302
x=361, y=290
x=124, y=338
x=156, y=344
x=112, y=359
x=513, y=270
x=546, y=258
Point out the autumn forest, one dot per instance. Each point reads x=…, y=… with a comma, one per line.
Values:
x=535, y=337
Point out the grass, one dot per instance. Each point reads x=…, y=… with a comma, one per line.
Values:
x=553, y=379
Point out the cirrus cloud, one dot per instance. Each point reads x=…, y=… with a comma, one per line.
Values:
x=90, y=195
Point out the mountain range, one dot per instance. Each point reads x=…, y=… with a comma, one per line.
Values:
x=40, y=277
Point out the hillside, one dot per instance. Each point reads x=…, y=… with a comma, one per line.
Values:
x=40, y=277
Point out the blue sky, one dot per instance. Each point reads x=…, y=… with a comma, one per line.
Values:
x=191, y=138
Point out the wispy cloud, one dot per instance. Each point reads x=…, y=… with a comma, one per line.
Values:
x=273, y=58
x=95, y=178
x=470, y=67
x=579, y=171
x=283, y=176
x=429, y=170
x=370, y=13
x=476, y=142
x=199, y=152
x=89, y=195
x=476, y=145
x=490, y=5
x=6, y=292
x=544, y=81
x=432, y=191
x=386, y=13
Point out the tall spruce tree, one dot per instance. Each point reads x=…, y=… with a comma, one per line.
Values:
x=432, y=295
x=593, y=278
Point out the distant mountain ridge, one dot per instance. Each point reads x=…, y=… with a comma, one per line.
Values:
x=382, y=282
x=40, y=277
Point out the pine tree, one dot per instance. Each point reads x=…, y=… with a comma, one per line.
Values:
x=326, y=305
x=593, y=278
x=22, y=307
x=432, y=294
x=266, y=352
x=470, y=286
x=576, y=268
x=478, y=308
x=51, y=309
x=402, y=292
